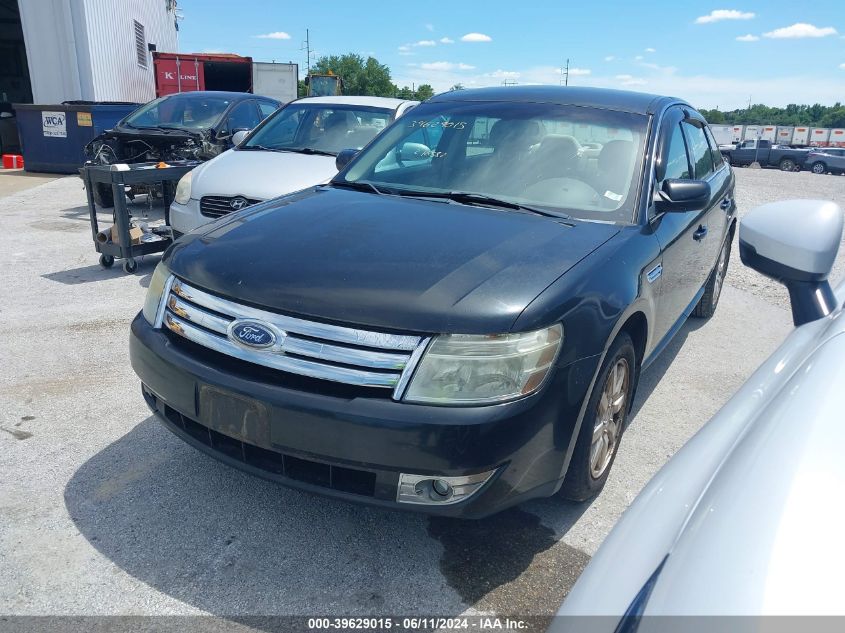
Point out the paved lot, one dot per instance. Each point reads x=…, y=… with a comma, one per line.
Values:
x=105, y=512
x=14, y=180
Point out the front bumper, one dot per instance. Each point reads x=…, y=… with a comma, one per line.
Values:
x=355, y=446
x=186, y=217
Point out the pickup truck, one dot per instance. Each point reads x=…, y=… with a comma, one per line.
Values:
x=768, y=155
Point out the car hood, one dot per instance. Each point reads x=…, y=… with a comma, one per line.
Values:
x=261, y=175
x=384, y=261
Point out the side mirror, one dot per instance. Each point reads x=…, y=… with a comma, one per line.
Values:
x=679, y=194
x=239, y=136
x=344, y=157
x=795, y=242
x=414, y=151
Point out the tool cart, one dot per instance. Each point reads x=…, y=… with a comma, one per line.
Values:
x=119, y=243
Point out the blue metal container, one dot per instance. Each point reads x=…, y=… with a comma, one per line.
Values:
x=53, y=136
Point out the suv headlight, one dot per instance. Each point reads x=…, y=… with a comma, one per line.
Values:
x=469, y=369
x=154, y=292
x=183, y=189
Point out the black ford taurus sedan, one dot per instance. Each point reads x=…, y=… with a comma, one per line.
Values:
x=458, y=321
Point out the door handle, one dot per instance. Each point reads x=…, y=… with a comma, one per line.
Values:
x=726, y=204
x=700, y=233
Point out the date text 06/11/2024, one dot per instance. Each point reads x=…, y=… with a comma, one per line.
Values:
x=481, y=623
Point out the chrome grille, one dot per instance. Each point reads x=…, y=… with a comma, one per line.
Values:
x=308, y=348
x=218, y=206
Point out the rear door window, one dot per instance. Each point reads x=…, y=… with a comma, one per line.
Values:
x=699, y=151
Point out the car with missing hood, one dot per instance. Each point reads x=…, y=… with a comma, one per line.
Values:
x=458, y=320
x=292, y=149
x=184, y=126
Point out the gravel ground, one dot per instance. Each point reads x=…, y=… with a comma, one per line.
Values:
x=105, y=512
x=759, y=186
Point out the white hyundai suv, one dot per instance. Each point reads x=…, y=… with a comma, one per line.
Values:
x=292, y=149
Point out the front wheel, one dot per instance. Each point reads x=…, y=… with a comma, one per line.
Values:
x=706, y=306
x=103, y=195
x=819, y=168
x=604, y=422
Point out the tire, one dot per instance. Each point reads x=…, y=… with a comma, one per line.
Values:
x=106, y=261
x=589, y=468
x=787, y=164
x=103, y=195
x=130, y=266
x=706, y=306
x=819, y=168
x=727, y=158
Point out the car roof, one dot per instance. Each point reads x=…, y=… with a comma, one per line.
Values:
x=609, y=99
x=225, y=94
x=373, y=102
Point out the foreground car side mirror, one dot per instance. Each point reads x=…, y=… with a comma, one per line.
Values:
x=239, y=136
x=344, y=157
x=795, y=242
x=681, y=194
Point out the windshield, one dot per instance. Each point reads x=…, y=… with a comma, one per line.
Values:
x=578, y=161
x=181, y=111
x=325, y=128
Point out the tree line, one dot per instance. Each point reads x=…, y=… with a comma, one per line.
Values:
x=815, y=115
x=368, y=76
x=365, y=77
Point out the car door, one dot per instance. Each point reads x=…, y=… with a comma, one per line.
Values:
x=683, y=268
x=242, y=116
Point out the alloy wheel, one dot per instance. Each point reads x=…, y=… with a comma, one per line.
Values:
x=609, y=417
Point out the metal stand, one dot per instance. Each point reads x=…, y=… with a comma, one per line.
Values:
x=139, y=173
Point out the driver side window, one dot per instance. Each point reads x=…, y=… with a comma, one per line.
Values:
x=675, y=161
x=243, y=116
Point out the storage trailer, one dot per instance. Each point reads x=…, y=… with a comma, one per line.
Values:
x=183, y=72
x=801, y=136
x=819, y=136
x=784, y=135
x=724, y=134
x=768, y=133
x=737, y=133
x=752, y=132
x=837, y=137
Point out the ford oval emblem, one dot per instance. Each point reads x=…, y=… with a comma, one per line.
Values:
x=252, y=334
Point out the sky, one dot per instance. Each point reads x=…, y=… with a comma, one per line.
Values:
x=718, y=54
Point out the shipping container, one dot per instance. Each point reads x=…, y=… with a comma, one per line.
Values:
x=723, y=134
x=837, y=137
x=819, y=136
x=768, y=133
x=737, y=134
x=752, y=132
x=784, y=136
x=801, y=136
x=181, y=72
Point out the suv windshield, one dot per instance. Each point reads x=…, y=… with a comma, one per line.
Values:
x=580, y=161
x=324, y=128
x=180, y=111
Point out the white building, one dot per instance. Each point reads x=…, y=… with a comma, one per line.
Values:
x=94, y=50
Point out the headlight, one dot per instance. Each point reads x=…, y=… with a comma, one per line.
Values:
x=154, y=292
x=183, y=189
x=470, y=369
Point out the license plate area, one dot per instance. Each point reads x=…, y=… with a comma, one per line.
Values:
x=234, y=416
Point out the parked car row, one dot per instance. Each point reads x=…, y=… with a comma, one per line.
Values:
x=818, y=160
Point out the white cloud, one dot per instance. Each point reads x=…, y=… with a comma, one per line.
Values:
x=634, y=81
x=425, y=43
x=504, y=74
x=275, y=35
x=579, y=72
x=447, y=40
x=404, y=47
x=800, y=30
x=638, y=57
x=650, y=50
x=723, y=14
x=624, y=77
x=609, y=58
x=476, y=37
x=842, y=66
x=747, y=38
x=443, y=66
x=429, y=27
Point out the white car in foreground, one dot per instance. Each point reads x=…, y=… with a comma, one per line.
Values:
x=292, y=149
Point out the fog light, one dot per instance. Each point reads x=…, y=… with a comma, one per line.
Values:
x=428, y=490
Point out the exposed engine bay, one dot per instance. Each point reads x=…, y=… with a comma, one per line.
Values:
x=116, y=146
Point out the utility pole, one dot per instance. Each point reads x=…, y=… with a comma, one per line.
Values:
x=564, y=74
x=307, y=47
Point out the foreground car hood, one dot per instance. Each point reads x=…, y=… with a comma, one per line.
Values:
x=261, y=175
x=384, y=261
